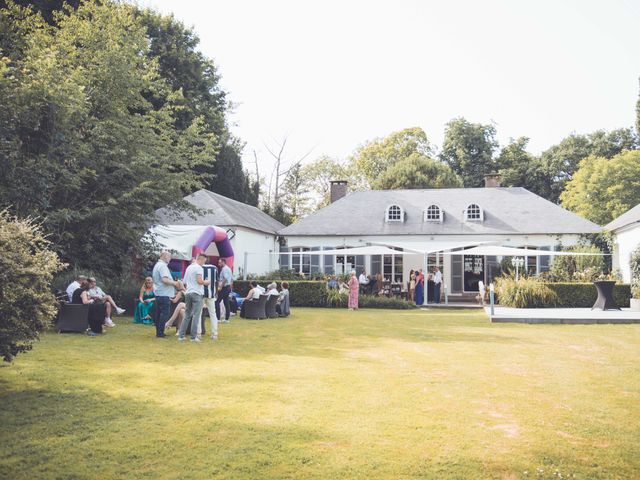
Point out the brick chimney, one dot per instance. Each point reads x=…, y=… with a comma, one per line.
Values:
x=492, y=180
x=338, y=189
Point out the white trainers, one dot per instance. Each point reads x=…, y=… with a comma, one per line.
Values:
x=214, y=337
x=194, y=339
x=109, y=323
x=120, y=311
x=181, y=339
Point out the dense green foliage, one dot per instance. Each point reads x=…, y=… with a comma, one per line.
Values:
x=604, y=188
x=417, y=171
x=635, y=273
x=526, y=292
x=584, y=295
x=468, y=149
x=81, y=144
x=579, y=268
x=27, y=266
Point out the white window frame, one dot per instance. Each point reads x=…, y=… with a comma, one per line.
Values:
x=388, y=212
x=427, y=218
x=480, y=213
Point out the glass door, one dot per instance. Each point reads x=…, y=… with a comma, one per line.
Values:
x=473, y=272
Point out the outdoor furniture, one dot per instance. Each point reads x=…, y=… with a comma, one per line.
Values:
x=73, y=318
x=255, y=309
x=270, y=307
x=605, y=299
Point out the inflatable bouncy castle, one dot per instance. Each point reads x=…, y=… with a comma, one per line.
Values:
x=187, y=241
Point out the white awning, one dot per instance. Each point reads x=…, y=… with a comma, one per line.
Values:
x=427, y=247
x=370, y=250
x=498, y=251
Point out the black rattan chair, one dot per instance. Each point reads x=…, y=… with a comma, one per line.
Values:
x=255, y=309
x=73, y=318
x=270, y=307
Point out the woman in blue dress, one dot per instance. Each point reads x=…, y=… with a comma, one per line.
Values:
x=147, y=300
x=419, y=288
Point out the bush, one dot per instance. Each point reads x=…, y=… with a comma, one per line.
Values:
x=27, y=303
x=577, y=268
x=583, y=295
x=301, y=293
x=526, y=292
x=316, y=294
x=635, y=273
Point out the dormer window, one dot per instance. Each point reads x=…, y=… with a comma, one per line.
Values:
x=433, y=213
x=394, y=214
x=474, y=213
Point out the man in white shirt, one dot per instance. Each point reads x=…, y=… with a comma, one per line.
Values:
x=225, y=281
x=164, y=287
x=437, y=283
x=363, y=281
x=195, y=283
x=272, y=289
x=73, y=286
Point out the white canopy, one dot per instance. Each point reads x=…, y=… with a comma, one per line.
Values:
x=426, y=247
x=179, y=239
x=498, y=251
x=370, y=250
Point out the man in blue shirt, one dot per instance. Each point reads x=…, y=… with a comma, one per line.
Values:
x=164, y=287
x=225, y=280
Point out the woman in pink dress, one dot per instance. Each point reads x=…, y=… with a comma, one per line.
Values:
x=354, y=287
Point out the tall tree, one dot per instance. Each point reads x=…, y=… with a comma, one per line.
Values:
x=81, y=145
x=602, y=188
x=374, y=157
x=468, y=149
x=417, y=171
x=560, y=161
x=295, y=193
x=319, y=174
x=520, y=168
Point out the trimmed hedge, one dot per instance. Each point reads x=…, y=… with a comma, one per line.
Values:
x=301, y=293
x=584, y=295
x=315, y=294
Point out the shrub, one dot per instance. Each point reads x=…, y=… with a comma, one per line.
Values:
x=301, y=293
x=583, y=295
x=526, y=292
x=370, y=301
x=635, y=273
x=336, y=299
x=577, y=268
x=27, y=303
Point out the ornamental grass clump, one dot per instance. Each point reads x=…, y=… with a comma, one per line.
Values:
x=635, y=273
x=526, y=292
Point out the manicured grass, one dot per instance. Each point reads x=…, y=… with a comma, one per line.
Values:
x=328, y=394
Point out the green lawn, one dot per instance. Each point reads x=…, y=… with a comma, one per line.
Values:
x=328, y=394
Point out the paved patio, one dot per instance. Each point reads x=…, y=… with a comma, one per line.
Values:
x=562, y=315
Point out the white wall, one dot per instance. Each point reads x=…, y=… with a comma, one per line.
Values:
x=626, y=240
x=415, y=261
x=259, y=247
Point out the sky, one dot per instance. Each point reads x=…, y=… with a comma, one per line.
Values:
x=331, y=75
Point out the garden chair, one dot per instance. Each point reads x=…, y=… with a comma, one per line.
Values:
x=270, y=307
x=255, y=309
x=73, y=318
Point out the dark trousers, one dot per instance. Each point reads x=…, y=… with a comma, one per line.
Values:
x=97, y=313
x=162, y=314
x=223, y=296
x=436, y=292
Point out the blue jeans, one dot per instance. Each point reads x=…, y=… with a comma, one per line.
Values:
x=223, y=296
x=436, y=292
x=163, y=313
x=192, y=314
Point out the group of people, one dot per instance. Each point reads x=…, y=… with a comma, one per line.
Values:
x=282, y=303
x=203, y=285
x=417, y=285
x=86, y=291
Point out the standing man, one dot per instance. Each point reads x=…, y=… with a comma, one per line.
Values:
x=211, y=275
x=363, y=281
x=194, y=278
x=437, y=283
x=224, y=289
x=164, y=287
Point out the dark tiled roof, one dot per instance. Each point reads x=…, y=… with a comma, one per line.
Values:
x=512, y=210
x=224, y=213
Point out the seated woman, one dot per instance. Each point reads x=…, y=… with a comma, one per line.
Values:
x=252, y=296
x=97, y=311
x=178, y=312
x=283, y=301
x=147, y=299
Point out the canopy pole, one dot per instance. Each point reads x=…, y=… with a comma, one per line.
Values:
x=425, y=290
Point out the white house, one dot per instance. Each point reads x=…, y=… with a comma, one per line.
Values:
x=445, y=219
x=252, y=232
x=626, y=238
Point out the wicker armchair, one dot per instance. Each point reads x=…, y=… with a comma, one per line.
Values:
x=255, y=309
